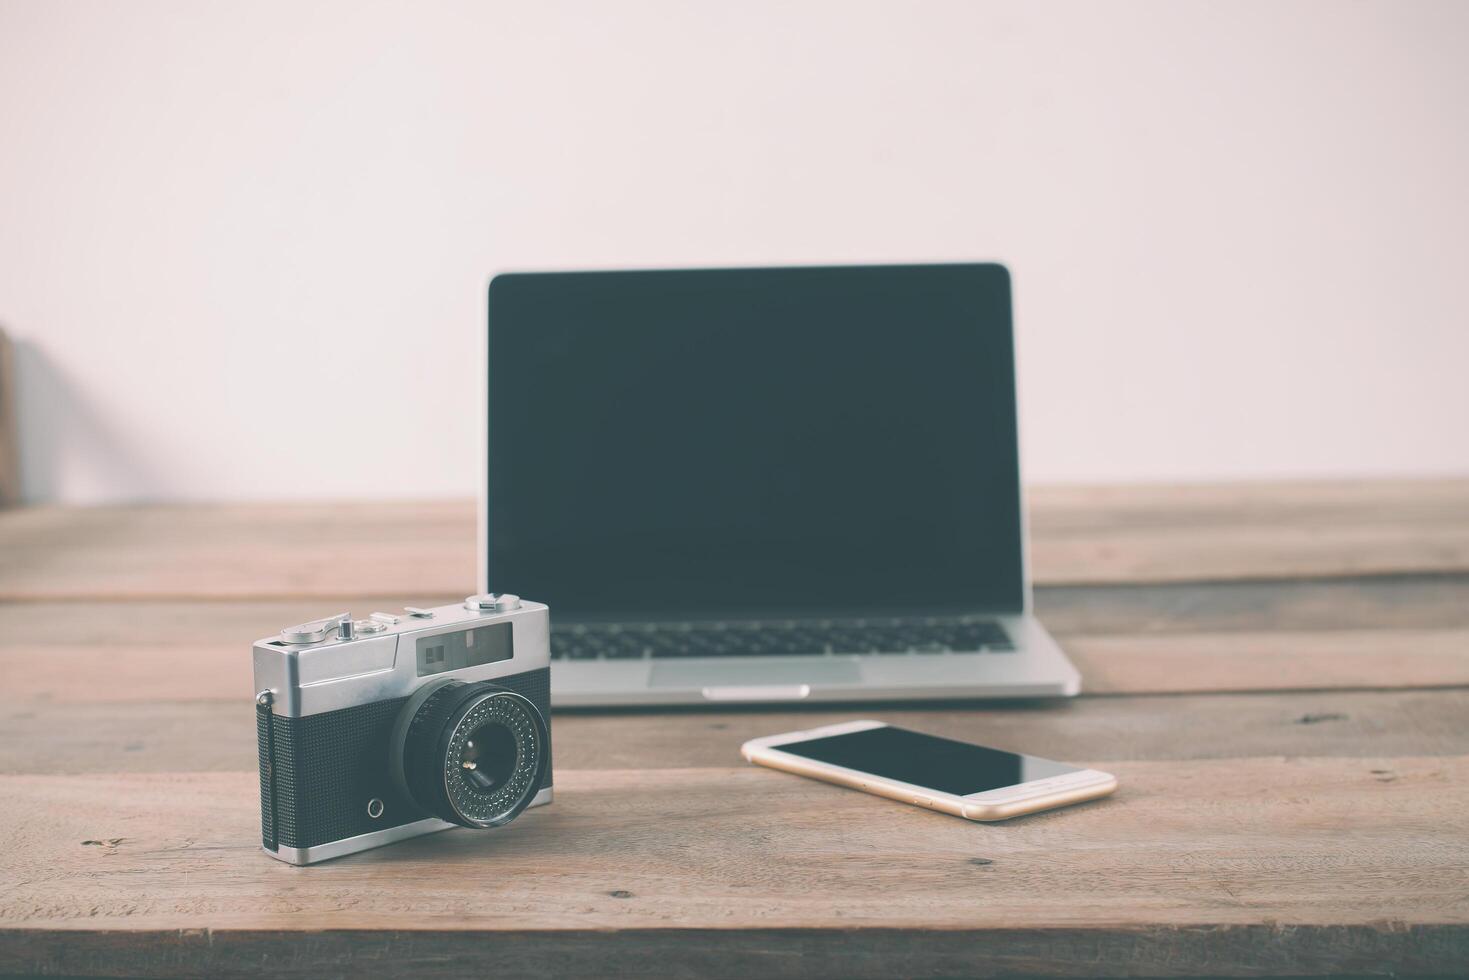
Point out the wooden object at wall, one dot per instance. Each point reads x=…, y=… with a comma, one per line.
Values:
x=9, y=426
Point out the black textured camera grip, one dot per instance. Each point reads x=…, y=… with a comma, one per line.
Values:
x=264, y=741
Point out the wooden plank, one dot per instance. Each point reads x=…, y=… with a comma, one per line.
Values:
x=1248, y=850
x=178, y=736
x=1155, y=533
x=1137, y=534
x=1391, y=949
x=1320, y=503
x=1342, y=634
x=1396, y=602
x=1408, y=602
x=1170, y=663
x=1142, y=728
x=1251, y=552
x=237, y=551
x=1275, y=661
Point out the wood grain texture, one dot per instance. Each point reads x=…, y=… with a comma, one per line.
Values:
x=1349, y=952
x=237, y=551
x=137, y=736
x=1395, y=602
x=1400, y=602
x=1327, y=660
x=1248, y=530
x=1314, y=824
x=1179, y=638
x=747, y=848
x=1079, y=535
x=1163, y=664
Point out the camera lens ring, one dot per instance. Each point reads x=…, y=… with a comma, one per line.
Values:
x=439, y=764
x=512, y=717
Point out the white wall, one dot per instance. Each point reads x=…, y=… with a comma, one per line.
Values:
x=244, y=245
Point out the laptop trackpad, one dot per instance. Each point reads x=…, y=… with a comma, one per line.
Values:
x=748, y=675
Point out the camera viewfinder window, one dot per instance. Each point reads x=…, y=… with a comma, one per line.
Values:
x=466, y=648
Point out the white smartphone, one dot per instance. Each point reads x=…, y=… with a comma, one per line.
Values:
x=969, y=781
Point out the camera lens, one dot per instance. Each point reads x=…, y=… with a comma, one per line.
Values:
x=490, y=755
x=472, y=754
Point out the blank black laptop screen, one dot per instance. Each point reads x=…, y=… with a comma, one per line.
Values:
x=754, y=441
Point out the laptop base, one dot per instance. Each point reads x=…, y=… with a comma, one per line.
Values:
x=1036, y=667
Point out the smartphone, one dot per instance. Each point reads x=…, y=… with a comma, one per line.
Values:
x=969, y=781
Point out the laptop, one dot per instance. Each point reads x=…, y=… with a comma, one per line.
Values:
x=764, y=485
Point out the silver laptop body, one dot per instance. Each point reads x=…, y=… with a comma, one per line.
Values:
x=764, y=485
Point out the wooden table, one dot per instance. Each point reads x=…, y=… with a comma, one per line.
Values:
x=1277, y=673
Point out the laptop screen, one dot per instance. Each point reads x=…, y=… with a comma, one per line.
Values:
x=751, y=442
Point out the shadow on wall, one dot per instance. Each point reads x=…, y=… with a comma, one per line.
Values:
x=69, y=450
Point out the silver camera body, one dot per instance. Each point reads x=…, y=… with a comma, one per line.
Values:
x=376, y=730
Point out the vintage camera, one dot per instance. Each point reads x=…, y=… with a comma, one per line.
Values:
x=375, y=730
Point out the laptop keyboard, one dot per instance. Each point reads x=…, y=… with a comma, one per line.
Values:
x=635, y=641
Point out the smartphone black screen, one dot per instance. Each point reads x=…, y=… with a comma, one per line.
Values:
x=929, y=761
